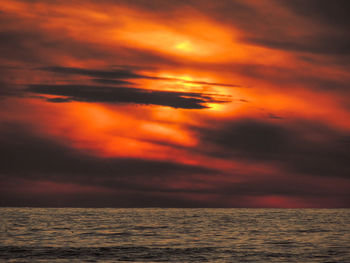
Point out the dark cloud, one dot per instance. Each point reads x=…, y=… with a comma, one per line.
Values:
x=281, y=78
x=113, y=81
x=304, y=148
x=9, y=90
x=27, y=155
x=27, y=158
x=185, y=100
x=287, y=186
x=274, y=116
x=331, y=13
x=249, y=139
x=333, y=17
x=117, y=76
x=330, y=44
x=106, y=74
x=37, y=46
x=5, y=90
x=58, y=100
x=15, y=46
x=330, y=17
x=128, y=182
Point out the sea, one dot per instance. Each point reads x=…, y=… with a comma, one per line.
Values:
x=174, y=235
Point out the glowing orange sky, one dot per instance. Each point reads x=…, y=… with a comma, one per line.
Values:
x=229, y=104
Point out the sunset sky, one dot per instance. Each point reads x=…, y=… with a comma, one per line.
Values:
x=197, y=103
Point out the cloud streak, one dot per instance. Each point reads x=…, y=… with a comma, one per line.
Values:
x=104, y=94
x=109, y=76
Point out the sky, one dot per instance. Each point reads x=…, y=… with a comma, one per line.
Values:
x=184, y=103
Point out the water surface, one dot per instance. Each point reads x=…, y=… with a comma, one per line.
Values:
x=174, y=235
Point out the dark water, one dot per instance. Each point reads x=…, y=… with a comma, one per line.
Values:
x=174, y=235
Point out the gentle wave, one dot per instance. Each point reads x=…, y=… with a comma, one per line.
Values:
x=174, y=235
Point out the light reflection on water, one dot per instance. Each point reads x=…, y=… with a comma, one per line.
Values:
x=174, y=235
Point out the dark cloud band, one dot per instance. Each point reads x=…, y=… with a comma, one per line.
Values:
x=117, y=76
x=88, y=93
x=290, y=145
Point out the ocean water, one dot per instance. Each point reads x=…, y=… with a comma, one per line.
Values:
x=174, y=235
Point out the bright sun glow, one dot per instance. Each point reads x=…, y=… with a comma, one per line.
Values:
x=185, y=46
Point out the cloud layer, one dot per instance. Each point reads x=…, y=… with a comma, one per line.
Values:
x=193, y=103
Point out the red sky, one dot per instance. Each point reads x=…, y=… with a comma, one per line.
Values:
x=192, y=103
